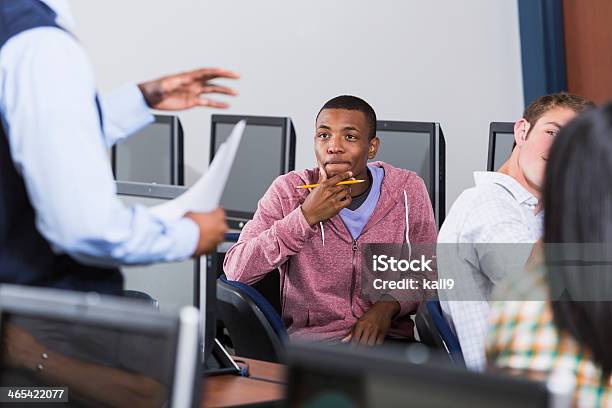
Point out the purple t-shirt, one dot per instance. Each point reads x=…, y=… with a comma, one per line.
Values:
x=356, y=220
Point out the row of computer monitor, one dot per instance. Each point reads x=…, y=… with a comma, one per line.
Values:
x=415, y=145
x=267, y=150
x=160, y=350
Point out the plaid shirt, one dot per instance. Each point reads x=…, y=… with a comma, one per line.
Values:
x=523, y=337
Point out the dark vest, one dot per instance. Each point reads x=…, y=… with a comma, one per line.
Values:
x=25, y=256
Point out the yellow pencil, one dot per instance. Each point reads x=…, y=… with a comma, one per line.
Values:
x=342, y=183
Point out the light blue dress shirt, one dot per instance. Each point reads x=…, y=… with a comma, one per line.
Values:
x=47, y=103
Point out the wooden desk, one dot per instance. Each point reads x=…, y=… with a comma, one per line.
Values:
x=232, y=390
x=266, y=371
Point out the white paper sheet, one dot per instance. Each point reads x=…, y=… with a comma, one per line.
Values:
x=205, y=194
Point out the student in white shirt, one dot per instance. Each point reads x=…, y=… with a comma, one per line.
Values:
x=502, y=208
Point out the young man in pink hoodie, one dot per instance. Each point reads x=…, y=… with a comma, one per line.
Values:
x=314, y=236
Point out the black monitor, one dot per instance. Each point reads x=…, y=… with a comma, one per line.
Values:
x=501, y=140
x=267, y=150
x=134, y=354
x=331, y=376
x=153, y=155
x=419, y=147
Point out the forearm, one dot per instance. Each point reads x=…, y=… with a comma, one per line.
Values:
x=261, y=250
x=134, y=237
x=125, y=112
x=84, y=218
x=389, y=306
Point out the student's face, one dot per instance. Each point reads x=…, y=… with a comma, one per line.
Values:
x=342, y=142
x=534, y=143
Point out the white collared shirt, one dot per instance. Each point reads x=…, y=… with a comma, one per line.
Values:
x=497, y=210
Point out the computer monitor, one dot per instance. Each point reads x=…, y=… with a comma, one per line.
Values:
x=501, y=140
x=419, y=147
x=333, y=376
x=153, y=155
x=267, y=150
x=96, y=350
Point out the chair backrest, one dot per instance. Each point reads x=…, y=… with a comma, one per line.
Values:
x=255, y=328
x=434, y=331
x=270, y=288
x=138, y=295
x=426, y=328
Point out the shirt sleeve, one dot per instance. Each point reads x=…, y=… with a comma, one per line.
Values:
x=268, y=240
x=125, y=112
x=502, y=240
x=48, y=103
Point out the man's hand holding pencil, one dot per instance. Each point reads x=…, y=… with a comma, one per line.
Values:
x=328, y=198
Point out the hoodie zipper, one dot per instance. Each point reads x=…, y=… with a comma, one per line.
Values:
x=353, y=276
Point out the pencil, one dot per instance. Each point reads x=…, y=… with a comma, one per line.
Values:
x=342, y=183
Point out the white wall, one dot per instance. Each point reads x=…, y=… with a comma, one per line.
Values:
x=455, y=62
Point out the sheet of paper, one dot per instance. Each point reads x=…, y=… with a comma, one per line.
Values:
x=205, y=194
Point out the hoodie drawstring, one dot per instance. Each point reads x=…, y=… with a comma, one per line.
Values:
x=407, y=225
x=321, y=226
x=322, y=232
x=406, y=212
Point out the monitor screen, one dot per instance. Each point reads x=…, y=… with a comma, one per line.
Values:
x=322, y=376
x=171, y=284
x=151, y=155
x=502, y=149
x=258, y=162
x=407, y=150
x=324, y=387
x=129, y=354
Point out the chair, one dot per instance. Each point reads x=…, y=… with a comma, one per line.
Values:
x=434, y=331
x=254, y=326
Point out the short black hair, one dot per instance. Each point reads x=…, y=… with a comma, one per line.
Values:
x=350, y=102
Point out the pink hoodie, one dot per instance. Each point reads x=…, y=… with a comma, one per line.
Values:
x=319, y=283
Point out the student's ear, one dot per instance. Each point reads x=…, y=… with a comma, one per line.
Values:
x=373, y=149
x=521, y=128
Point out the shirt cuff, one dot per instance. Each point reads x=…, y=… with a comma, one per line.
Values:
x=125, y=112
x=187, y=235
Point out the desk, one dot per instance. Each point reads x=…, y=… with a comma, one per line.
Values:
x=232, y=390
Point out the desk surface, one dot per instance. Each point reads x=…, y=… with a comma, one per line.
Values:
x=231, y=390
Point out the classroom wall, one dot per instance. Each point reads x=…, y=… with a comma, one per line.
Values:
x=455, y=62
